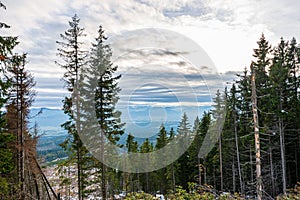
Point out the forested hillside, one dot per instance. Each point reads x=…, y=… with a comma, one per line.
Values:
x=255, y=122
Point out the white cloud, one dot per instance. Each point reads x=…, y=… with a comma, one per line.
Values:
x=226, y=29
x=48, y=90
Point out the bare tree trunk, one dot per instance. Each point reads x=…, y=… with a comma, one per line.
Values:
x=36, y=186
x=233, y=175
x=296, y=162
x=79, y=181
x=282, y=144
x=199, y=170
x=205, y=180
x=251, y=168
x=103, y=180
x=238, y=153
x=77, y=96
x=103, y=168
x=282, y=152
x=173, y=178
x=214, y=176
x=138, y=177
x=271, y=167
x=22, y=152
x=45, y=180
x=147, y=182
x=220, y=158
x=256, y=136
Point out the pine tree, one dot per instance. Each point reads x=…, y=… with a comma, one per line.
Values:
x=20, y=175
x=131, y=179
x=131, y=145
x=161, y=141
x=99, y=79
x=73, y=58
x=292, y=108
x=194, y=160
x=243, y=106
x=203, y=128
x=30, y=178
x=218, y=115
x=262, y=61
x=7, y=164
x=235, y=121
x=162, y=138
x=260, y=66
x=279, y=77
x=21, y=97
x=200, y=129
x=172, y=168
x=146, y=147
x=183, y=130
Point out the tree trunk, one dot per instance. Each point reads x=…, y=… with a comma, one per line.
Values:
x=103, y=168
x=79, y=181
x=256, y=137
x=173, y=178
x=77, y=96
x=205, y=180
x=214, y=177
x=296, y=163
x=147, y=181
x=282, y=153
x=220, y=157
x=238, y=153
x=22, y=146
x=233, y=175
x=271, y=167
x=103, y=181
x=251, y=168
x=199, y=170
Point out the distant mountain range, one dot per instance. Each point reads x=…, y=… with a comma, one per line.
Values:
x=140, y=125
x=48, y=120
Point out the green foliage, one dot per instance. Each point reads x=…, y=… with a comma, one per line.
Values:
x=100, y=76
x=139, y=196
x=131, y=145
x=182, y=194
x=72, y=59
x=292, y=194
x=6, y=154
x=183, y=130
x=146, y=147
x=4, y=188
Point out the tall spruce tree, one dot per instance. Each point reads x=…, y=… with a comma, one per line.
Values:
x=100, y=76
x=218, y=116
x=195, y=163
x=20, y=99
x=183, y=130
x=161, y=141
x=131, y=179
x=260, y=66
x=131, y=144
x=146, y=147
x=20, y=174
x=7, y=164
x=243, y=105
x=172, y=168
x=279, y=78
x=73, y=58
x=194, y=160
x=293, y=113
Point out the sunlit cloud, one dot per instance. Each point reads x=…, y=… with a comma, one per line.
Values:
x=226, y=29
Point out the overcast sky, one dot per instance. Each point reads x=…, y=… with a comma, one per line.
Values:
x=227, y=30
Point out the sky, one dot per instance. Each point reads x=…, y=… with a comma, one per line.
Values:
x=224, y=33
